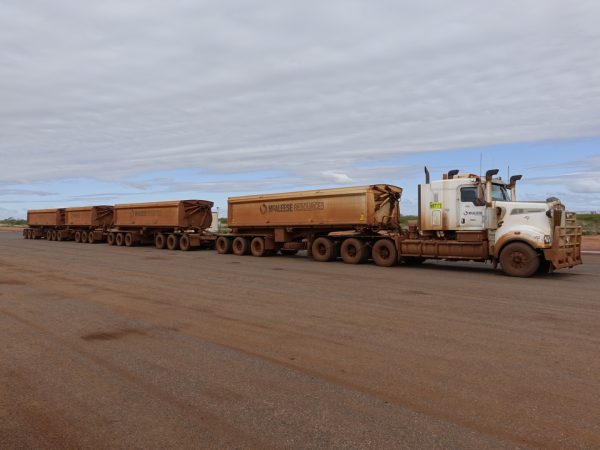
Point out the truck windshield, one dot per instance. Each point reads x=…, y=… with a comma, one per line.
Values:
x=500, y=193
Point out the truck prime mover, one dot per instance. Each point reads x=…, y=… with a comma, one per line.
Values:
x=462, y=217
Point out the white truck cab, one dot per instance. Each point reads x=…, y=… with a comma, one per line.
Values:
x=522, y=236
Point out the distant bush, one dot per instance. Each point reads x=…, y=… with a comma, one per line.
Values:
x=590, y=223
x=12, y=222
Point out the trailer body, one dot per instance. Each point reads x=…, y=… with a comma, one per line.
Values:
x=288, y=222
x=88, y=224
x=100, y=216
x=45, y=223
x=46, y=217
x=342, y=208
x=173, y=224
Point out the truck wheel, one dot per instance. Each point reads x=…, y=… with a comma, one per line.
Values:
x=110, y=238
x=519, y=260
x=385, y=253
x=324, y=250
x=129, y=240
x=91, y=239
x=241, y=246
x=84, y=237
x=185, y=243
x=119, y=239
x=257, y=247
x=354, y=251
x=223, y=245
x=54, y=235
x=173, y=242
x=160, y=241
x=77, y=236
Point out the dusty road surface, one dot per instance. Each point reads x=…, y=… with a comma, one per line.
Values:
x=113, y=347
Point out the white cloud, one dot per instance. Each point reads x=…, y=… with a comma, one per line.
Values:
x=113, y=89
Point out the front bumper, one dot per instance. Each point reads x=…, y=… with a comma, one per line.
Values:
x=566, y=247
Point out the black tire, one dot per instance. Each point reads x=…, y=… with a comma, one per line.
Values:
x=91, y=239
x=129, y=242
x=257, y=247
x=185, y=243
x=384, y=253
x=519, y=260
x=160, y=241
x=110, y=238
x=173, y=242
x=77, y=236
x=54, y=235
x=324, y=250
x=241, y=246
x=223, y=245
x=119, y=239
x=84, y=237
x=354, y=251
x=49, y=235
x=25, y=233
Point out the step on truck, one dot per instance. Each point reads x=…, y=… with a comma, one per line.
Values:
x=462, y=217
x=181, y=224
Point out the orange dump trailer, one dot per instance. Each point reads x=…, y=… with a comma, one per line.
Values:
x=180, y=224
x=88, y=224
x=326, y=222
x=44, y=223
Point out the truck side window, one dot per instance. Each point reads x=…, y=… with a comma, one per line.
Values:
x=468, y=194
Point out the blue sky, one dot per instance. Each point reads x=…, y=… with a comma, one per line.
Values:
x=553, y=168
x=112, y=102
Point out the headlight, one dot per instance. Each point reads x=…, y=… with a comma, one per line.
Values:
x=547, y=239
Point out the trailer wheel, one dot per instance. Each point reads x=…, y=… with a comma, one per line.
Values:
x=241, y=246
x=91, y=239
x=519, y=260
x=119, y=239
x=110, y=238
x=385, y=253
x=54, y=235
x=129, y=240
x=257, y=247
x=77, y=236
x=223, y=245
x=354, y=251
x=84, y=237
x=324, y=250
x=160, y=241
x=173, y=242
x=185, y=243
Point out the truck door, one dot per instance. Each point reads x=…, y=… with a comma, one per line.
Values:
x=470, y=209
